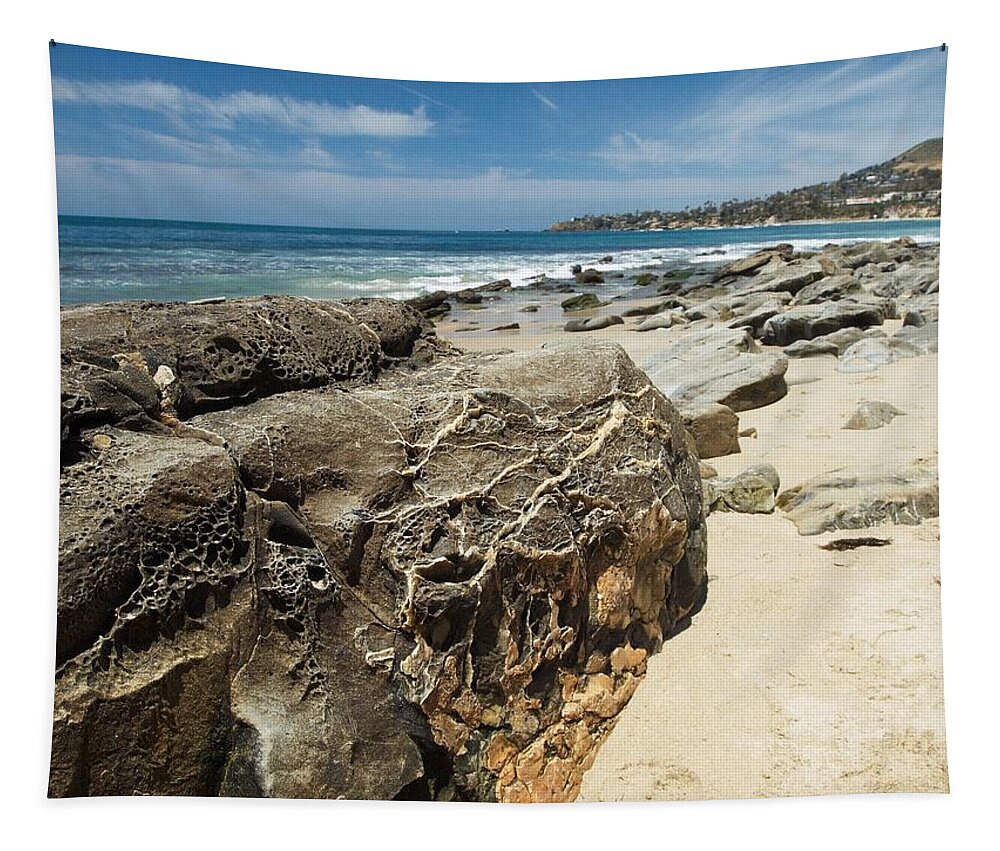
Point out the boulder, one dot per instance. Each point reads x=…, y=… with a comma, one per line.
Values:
x=846, y=499
x=594, y=323
x=808, y=321
x=872, y=415
x=432, y=305
x=642, y=310
x=706, y=363
x=589, y=276
x=400, y=328
x=584, y=301
x=714, y=427
x=375, y=593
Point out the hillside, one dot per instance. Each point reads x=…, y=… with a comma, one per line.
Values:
x=907, y=186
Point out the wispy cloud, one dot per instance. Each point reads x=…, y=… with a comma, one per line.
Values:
x=228, y=111
x=852, y=113
x=544, y=100
x=420, y=95
x=215, y=150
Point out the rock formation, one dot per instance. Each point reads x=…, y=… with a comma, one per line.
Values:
x=308, y=551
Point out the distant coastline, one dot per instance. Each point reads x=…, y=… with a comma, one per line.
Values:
x=906, y=187
x=790, y=223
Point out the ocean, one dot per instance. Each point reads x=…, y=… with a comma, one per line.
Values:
x=105, y=259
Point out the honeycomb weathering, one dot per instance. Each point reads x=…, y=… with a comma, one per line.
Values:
x=445, y=583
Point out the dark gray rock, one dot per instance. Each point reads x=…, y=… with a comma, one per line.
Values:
x=786, y=278
x=806, y=322
x=584, y=301
x=221, y=354
x=593, y=323
x=589, y=276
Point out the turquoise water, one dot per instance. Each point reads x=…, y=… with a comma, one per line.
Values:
x=112, y=259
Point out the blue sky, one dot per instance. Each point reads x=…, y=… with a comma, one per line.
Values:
x=154, y=137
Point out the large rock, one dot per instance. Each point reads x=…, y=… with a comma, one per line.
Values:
x=710, y=364
x=141, y=523
x=857, y=500
x=871, y=352
x=808, y=321
x=445, y=584
x=915, y=339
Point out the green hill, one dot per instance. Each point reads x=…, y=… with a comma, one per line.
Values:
x=907, y=186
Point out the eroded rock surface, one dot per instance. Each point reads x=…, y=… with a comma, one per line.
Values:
x=128, y=363
x=442, y=584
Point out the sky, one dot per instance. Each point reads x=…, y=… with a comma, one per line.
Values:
x=153, y=137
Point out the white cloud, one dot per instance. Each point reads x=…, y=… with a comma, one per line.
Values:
x=226, y=112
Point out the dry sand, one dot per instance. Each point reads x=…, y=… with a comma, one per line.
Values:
x=807, y=671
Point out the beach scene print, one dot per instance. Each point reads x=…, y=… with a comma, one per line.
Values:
x=518, y=443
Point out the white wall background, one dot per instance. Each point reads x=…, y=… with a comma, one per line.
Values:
x=512, y=40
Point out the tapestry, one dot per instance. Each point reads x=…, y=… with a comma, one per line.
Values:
x=521, y=442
